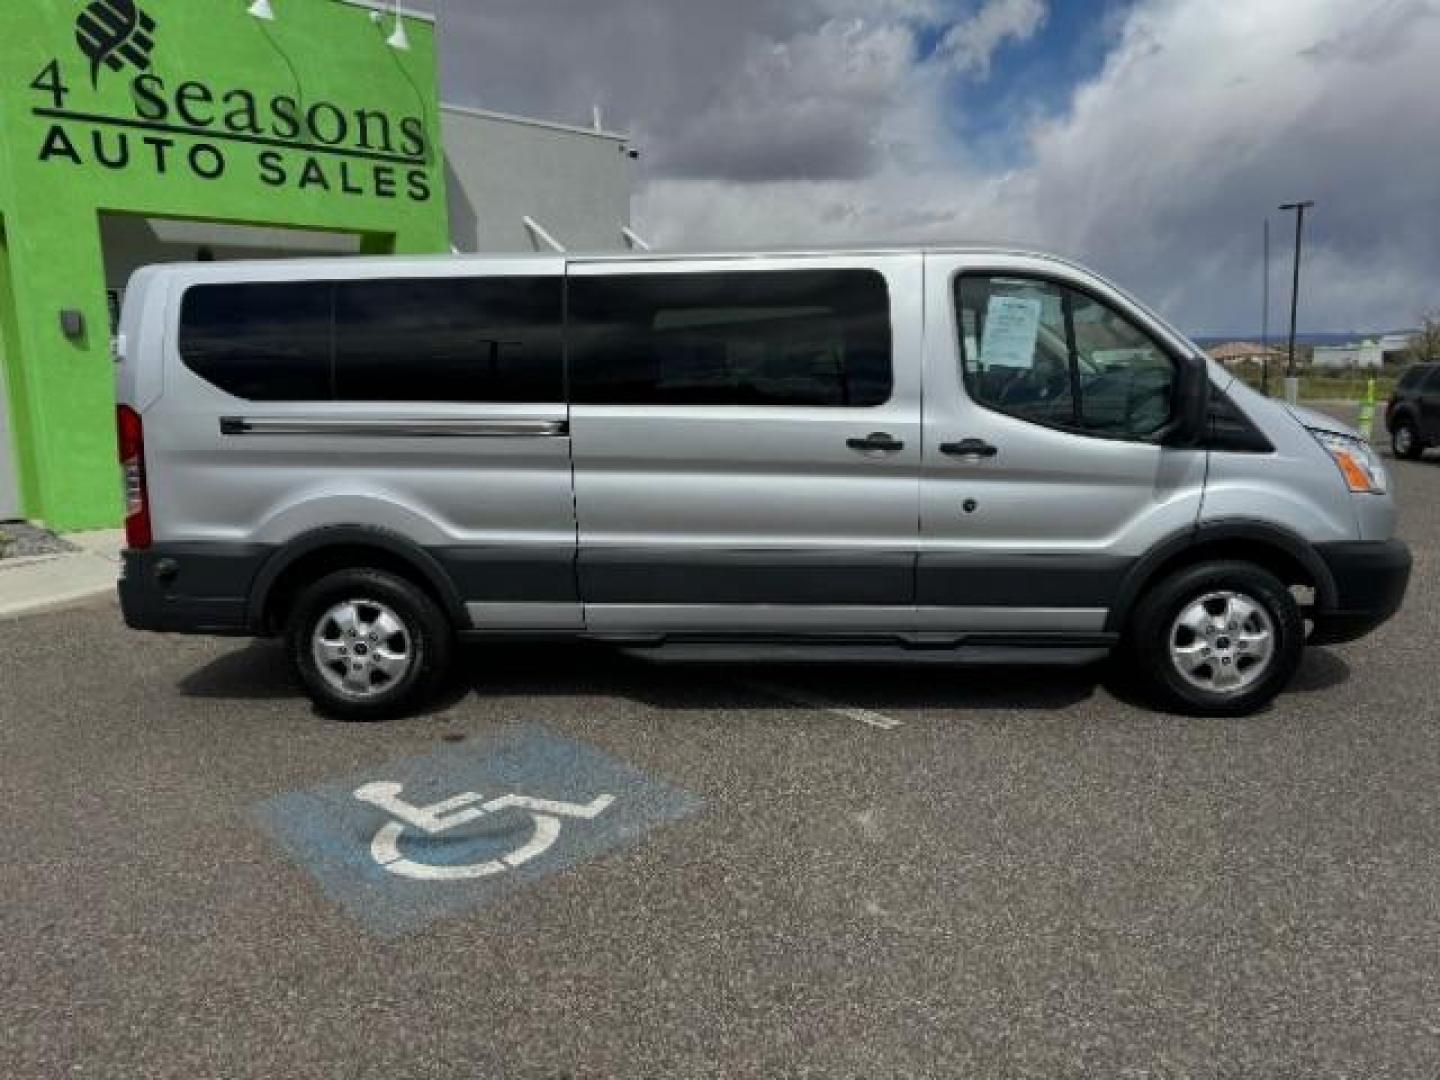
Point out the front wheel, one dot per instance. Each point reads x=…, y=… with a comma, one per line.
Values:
x=1406, y=442
x=1219, y=639
x=367, y=645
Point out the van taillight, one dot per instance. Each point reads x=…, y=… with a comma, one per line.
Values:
x=138, y=535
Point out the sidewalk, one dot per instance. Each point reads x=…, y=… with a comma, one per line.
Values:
x=42, y=582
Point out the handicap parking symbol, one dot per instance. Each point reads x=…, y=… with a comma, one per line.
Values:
x=426, y=838
x=458, y=811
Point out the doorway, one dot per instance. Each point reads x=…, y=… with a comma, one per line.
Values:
x=130, y=241
x=10, y=502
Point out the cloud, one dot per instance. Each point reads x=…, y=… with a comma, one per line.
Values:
x=1207, y=117
x=809, y=107
x=749, y=91
x=796, y=121
x=1377, y=36
x=971, y=44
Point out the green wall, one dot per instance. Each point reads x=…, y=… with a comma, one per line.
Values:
x=183, y=109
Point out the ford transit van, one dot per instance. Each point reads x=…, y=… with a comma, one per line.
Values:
x=954, y=455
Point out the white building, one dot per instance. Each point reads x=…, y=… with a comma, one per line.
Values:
x=518, y=184
x=1396, y=347
x=1236, y=353
x=1368, y=355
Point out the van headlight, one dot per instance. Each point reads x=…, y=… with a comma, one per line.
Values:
x=1357, y=460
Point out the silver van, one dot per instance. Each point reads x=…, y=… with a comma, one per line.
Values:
x=953, y=455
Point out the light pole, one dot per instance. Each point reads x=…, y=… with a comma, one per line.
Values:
x=1292, y=380
x=1265, y=319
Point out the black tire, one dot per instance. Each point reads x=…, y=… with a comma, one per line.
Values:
x=1408, y=446
x=426, y=640
x=1149, y=639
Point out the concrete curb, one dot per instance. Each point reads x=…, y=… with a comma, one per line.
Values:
x=30, y=560
x=34, y=585
x=53, y=603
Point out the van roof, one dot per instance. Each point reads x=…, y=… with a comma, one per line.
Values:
x=670, y=255
x=429, y=265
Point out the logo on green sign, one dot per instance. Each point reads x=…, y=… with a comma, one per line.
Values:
x=113, y=33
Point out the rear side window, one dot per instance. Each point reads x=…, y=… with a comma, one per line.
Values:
x=448, y=340
x=260, y=342
x=800, y=338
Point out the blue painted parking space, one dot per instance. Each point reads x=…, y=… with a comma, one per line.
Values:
x=410, y=842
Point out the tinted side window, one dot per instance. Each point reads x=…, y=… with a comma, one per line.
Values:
x=1432, y=382
x=1413, y=378
x=260, y=342
x=1127, y=382
x=1055, y=356
x=818, y=338
x=449, y=340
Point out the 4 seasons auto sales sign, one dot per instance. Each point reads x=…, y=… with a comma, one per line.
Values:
x=209, y=129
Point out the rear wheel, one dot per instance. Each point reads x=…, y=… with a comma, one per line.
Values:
x=367, y=645
x=1405, y=441
x=1219, y=639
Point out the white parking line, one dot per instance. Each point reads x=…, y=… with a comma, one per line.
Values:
x=815, y=701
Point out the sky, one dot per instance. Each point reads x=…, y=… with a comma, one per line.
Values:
x=1147, y=138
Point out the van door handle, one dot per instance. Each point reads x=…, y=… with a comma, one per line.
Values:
x=881, y=442
x=970, y=448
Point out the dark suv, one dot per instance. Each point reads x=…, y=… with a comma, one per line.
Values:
x=1413, y=415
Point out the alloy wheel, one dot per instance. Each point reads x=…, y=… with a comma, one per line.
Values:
x=362, y=648
x=1223, y=642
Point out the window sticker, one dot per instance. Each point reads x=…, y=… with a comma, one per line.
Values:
x=1012, y=326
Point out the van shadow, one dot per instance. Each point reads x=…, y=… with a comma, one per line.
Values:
x=593, y=670
x=581, y=670
x=1321, y=670
x=261, y=672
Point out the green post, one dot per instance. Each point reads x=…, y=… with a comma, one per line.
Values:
x=1367, y=412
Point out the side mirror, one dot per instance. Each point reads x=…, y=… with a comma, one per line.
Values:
x=1191, y=421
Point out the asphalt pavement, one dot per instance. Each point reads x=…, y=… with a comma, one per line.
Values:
x=828, y=872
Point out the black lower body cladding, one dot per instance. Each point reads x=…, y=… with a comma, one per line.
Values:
x=217, y=588
x=191, y=589
x=1370, y=584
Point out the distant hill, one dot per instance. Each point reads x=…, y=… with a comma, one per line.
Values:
x=1279, y=341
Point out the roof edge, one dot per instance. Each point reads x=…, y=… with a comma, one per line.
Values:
x=386, y=9
x=528, y=121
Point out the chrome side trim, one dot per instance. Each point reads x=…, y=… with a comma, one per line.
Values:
x=396, y=429
x=772, y=618
x=798, y=618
